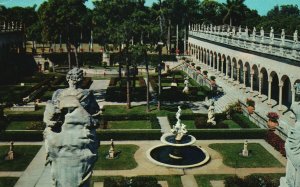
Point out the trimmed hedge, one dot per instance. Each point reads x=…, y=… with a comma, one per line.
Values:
x=242, y=120
x=121, y=117
x=25, y=117
x=88, y=58
x=107, y=135
x=252, y=181
x=30, y=136
x=154, y=122
x=218, y=134
x=135, y=182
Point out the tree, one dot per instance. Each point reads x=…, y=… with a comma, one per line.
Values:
x=63, y=17
x=234, y=11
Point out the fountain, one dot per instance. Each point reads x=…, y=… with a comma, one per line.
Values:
x=177, y=150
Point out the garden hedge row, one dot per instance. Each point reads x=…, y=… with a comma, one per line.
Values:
x=242, y=120
x=219, y=134
x=107, y=135
x=30, y=136
x=252, y=181
x=25, y=117
x=119, y=117
x=134, y=182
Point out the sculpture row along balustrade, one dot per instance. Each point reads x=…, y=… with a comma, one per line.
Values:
x=286, y=46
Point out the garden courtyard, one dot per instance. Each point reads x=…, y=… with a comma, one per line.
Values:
x=136, y=131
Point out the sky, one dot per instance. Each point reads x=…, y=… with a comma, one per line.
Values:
x=262, y=6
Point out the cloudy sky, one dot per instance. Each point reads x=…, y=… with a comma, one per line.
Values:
x=262, y=6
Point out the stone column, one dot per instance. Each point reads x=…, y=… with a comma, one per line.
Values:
x=244, y=78
x=269, y=91
x=238, y=74
x=218, y=60
x=293, y=94
x=251, y=81
x=222, y=67
x=280, y=96
x=213, y=61
x=260, y=77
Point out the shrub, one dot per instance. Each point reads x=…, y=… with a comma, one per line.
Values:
x=154, y=122
x=37, y=125
x=219, y=134
x=251, y=181
x=132, y=181
x=242, y=120
x=212, y=78
x=275, y=141
x=250, y=102
x=107, y=135
x=21, y=136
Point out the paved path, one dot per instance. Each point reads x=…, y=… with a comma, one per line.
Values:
x=164, y=124
x=189, y=181
x=37, y=175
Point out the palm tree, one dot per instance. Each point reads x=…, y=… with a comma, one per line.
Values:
x=234, y=8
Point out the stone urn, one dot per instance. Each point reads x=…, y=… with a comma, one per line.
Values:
x=250, y=109
x=272, y=124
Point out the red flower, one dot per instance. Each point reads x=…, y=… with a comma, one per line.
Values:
x=273, y=115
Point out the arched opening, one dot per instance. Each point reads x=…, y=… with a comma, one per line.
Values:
x=255, y=77
x=247, y=74
x=234, y=69
x=224, y=64
x=227, y=68
x=219, y=62
x=215, y=60
x=286, y=91
x=264, y=81
x=274, y=86
x=240, y=64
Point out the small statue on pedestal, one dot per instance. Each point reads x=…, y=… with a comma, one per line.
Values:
x=245, y=152
x=186, y=83
x=10, y=153
x=112, y=154
x=211, y=114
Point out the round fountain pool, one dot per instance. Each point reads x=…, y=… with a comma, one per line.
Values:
x=192, y=156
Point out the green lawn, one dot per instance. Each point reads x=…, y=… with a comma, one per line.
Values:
x=204, y=180
x=40, y=110
x=8, y=181
x=124, y=161
x=23, y=156
x=129, y=124
x=25, y=125
x=141, y=109
x=259, y=156
x=231, y=124
x=190, y=124
x=173, y=180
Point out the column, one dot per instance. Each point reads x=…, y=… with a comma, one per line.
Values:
x=227, y=67
x=218, y=60
x=238, y=75
x=251, y=81
x=269, y=90
x=280, y=96
x=244, y=78
x=293, y=95
x=231, y=76
x=260, y=77
x=213, y=61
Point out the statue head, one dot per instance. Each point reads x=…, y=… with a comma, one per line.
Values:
x=74, y=77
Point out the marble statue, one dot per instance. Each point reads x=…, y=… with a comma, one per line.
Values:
x=272, y=36
x=245, y=151
x=179, y=129
x=186, y=87
x=10, y=153
x=70, y=134
x=292, y=148
x=295, y=37
x=262, y=34
x=211, y=114
x=233, y=31
x=111, y=152
x=240, y=31
x=253, y=34
x=246, y=32
x=282, y=37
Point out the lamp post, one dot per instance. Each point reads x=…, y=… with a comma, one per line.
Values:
x=160, y=45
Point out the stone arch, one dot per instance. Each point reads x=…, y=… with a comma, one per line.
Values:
x=286, y=90
x=246, y=69
x=255, y=72
x=274, y=86
x=264, y=81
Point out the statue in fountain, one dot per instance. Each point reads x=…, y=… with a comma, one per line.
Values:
x=211, y=114
x=70, y=134
x=292, y=148
x=179, y=129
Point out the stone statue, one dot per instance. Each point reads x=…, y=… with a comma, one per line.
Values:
x=179, y=129
x=186, y=87
x=295, y=37
x=262, y=34
x=245, y=151
x=253, y=34
x=211, y=114
x=292, y=148
x=240, y=31
x=282, y=37
x=233, y=31
x=70, y=136
x=272, y=36
x=111, y=152
x=246, y=32
x=10, y=153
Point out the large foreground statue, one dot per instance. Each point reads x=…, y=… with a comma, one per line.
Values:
x=292, y=148
x=70, y=135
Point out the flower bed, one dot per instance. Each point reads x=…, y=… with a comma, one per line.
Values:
x=275, y=141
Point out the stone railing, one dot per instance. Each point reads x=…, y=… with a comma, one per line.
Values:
x=12, y=26
x=281, y=46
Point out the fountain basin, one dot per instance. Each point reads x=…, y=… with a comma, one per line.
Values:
x=192, y=156
x=169, y=139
